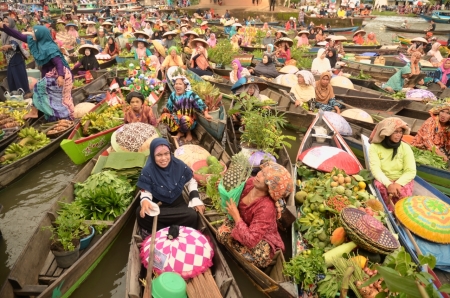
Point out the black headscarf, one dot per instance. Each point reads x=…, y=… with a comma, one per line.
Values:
x=112, y=46
x=89, y=62
x=388, y=144
x=266, y=69
x=332, y=59
x=165, y=184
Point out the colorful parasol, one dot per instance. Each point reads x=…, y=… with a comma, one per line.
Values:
x=357, y=114
x=341, y=81
x=339, y=123
x=325, y=158
x=420, y=94
x=426, y=217
x=258, y=156
x=188, y=254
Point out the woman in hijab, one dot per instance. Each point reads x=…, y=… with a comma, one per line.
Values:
x=199, y=63
x=179, y=114
x=436, y=56
x=101, y=39
x=270, y=52
x=156, y=35
x=212, y=40
x=304, y=91
x=173, y=59
x=237, y=71
x=312, y=34
x=325, y=95
x=89, y=62
x=302, y=38
x=112, y=48
x=15, y=55
x=442, y=74
x=392, y=161
x=332, y=56
x=148, y=29
x=266, y=68
x=253, y=230
x=320, y=64
x=169, y=42
x=55, y=70
x=154, y=63
x=162, y=181
x=138, y=111
x=397, y=81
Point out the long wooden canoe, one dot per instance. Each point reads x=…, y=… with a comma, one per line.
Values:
x=271, y=281
x=10, y=172
x=411, y=30
x=35, y=272
x=9, y=136
x=367, y=48
x=421, y=188
x=215, y=127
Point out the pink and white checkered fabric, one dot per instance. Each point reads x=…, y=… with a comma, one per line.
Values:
x=189, y=255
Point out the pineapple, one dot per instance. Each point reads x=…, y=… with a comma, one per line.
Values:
x=238, y=171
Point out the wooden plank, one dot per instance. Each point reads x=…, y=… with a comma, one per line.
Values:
x=30, y=290
x=47, y=280
x=58, y=272
x=51, y=269
x=47, y=264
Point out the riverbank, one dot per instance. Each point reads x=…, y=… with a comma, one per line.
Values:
x=393, y=13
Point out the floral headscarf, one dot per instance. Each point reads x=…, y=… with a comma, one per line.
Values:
x=185, y=81
x=278, y=180
x=386, y=128
x=437, y=109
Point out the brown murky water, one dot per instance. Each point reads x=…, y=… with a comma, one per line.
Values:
x=26, y=201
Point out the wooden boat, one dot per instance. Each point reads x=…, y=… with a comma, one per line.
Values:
x=342, y=30
x=10, y=172
x=252, y=49
x=268, y=23
x=215, y=127
x=384, y=50
x=9, y=136
x=366, y=48
x=421, y=188
x=438, y=16
x=35, y=272
x=90, y=7
x=222, y=274
x=410, y=30
x=370, y=84
x=224, y=72
x=335, y=22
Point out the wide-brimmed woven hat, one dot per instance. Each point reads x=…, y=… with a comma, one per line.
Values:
x=159, y=47
x=137, y=33
x=229, y=23
x=135, y=42
x=421, y=39
x=193, y=42
x=426, y=217
x=285, y=39
x=174, y=33
x=190, y=33
x=367, y=231
x=284, y=33
x=360, y=31
x=93, y=49
x=303, y=32
x=72, y=24
x=90, y=23
x=204, y=23
x=107, y=23
x=59, y=21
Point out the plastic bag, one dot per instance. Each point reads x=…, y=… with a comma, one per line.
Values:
x=234, y=194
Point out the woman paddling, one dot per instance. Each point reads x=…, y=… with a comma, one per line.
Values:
x=162, y=181
x=392, y=161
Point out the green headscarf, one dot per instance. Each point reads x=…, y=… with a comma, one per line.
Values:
x=396, y=82
x=44, y=48
x=173, y=48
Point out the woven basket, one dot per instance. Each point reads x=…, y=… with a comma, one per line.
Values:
x=369, y=229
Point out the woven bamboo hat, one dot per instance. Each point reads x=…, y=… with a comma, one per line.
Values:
x=94, y=50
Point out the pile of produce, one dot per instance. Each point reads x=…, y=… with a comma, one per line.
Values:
x=78, y=83
x=30, y=140
x=60, y=126
x=399, y=95
x=102, y=119
x=13, y=104
x=429, y=158
x=135, y=137
x=12, y=117
x=213, y=166
x=104, y=196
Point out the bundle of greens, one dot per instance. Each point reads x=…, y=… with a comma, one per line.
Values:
x=429, y=158
x=104, y=196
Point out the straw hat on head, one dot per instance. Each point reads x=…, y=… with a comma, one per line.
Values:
x=137, y=33
x=159, y=47
x=107, y=23
x=149, y=21
x=164, y=25
x=90, y=23
x=72, y=24
x=360, y=31
x=191, y=33
x=237, y=25
x=193, y=42
x=185, y=25
x=93, y=49
x=171, y=21
x=135, y=42
x=303, y=32
x=284, y=33
x=170, y=33
x=420, y=39
x=59, y=21
x=285, y=39
x=338, y=38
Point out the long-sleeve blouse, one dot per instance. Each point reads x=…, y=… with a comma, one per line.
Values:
x=258, y=222
x=169, y=61
x=54, y=62
x=432, y=134
x=185, y=104
x=112, y=53
x=437, y=77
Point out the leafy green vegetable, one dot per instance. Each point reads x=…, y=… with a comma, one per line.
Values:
x=104, y=195
x=304, y=269
x=330, y=285
x=429, y=158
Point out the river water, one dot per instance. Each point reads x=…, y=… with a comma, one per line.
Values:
x=26, y=201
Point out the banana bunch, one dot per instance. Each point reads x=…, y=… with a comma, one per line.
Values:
x=28, y=132
x=32, y=138
x=91, y=116
x=18, y=115
x=311, y=219
x=14, y=152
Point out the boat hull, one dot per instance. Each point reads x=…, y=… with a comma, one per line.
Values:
x=399, y=29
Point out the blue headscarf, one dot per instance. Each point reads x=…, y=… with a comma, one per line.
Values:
x=44, y=48
x=271, y=48
x=165, y=184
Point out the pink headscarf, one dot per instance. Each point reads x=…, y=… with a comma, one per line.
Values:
x=72, y=31
x=212, y=40
x=445, y=72
x=303, y=40
x=239, y=70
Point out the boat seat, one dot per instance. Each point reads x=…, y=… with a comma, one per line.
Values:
x=30, y=290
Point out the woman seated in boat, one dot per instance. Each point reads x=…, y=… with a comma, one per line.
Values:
x=319, y=36
x=88, y=62
x=399, y=80
x=169, y=40
x=112, y=47
x=250, y=89
x=268, y=39
x=371, y=40
x=156, y=35
x=290, y=24
x=312, y=34
x=212, y=40
x=72, y=29
x=302, y=39
x=238, y=71
x=320, y=64
x=195, y=45
x=138, y=111
x=91, y=30
x=392, y=161
x=434, y=134
x=265, y=68
x=442, y=74
x=270, y=52
x=179, y=113
x=338, y=46
x=189, y=36
x=141, y=50
x=141, y=35
x=235, y=43
x=148, y=28
x=253, y=232
x=162, y=181
x=284, y=48
x=436, y=56
x=304, y=91
x=101, y=39
x=279, y=34
x=325, y=99
x=358, y=37
x=199, y=63
x=173, y=59
x=331, y=56
x=417, y=45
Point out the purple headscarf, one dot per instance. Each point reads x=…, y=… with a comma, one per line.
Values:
x=239, y=70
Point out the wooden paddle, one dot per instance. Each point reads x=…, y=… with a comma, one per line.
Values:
x=148, y=279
